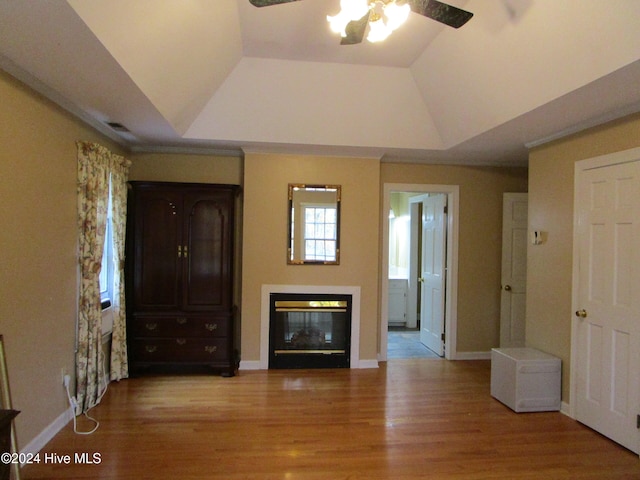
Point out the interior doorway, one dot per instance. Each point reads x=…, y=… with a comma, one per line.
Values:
x=424, y=285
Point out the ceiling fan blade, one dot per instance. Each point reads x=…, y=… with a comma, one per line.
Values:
x=355, y=30
x=268, y=3
x=441, y=12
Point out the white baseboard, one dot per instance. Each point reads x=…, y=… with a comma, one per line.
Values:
x=367, y=364
x=472, y=356
x=35, y=445
x=250, y=365
x=565, y=408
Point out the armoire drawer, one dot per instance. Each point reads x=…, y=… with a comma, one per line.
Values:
x=180, y=326
x=198, y=350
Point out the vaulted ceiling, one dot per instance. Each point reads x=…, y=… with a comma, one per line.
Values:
x=224, y=75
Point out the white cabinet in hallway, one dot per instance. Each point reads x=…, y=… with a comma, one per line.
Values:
x=398, y=288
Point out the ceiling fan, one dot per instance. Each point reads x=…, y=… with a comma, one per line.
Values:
x=354, y=24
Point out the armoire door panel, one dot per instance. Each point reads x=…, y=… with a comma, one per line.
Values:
x=157, y=257
x=207, y=265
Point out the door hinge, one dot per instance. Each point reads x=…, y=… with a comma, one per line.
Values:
x=442, y=336
x=638, y=421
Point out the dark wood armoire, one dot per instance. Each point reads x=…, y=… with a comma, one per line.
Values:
x=180, y=311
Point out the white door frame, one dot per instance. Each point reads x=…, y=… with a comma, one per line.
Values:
x=451, y=298
x=595, y=162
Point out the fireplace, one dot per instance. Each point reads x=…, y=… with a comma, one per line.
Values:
x=309, y=330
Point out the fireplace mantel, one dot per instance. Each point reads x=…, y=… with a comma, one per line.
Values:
x=267, y=290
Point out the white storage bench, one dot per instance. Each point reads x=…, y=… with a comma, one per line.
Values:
x=526, y=379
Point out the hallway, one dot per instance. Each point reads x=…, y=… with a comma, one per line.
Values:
x=405, y=343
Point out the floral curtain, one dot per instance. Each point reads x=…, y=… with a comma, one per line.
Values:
x=96, y=166
x=119, y=175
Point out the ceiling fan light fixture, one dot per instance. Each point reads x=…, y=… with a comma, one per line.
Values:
x=338, y=23
x=378, y=31
x=385, y=16
x=350, y=10
x=396, y=14
x=382, y=16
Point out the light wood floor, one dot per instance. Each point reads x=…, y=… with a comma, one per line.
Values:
x=409, y=419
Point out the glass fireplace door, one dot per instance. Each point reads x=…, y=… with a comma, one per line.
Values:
x=309, y=332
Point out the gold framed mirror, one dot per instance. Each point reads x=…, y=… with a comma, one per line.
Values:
x=314, y=224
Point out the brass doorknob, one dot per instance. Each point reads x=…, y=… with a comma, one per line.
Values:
x=581, y=313
x=507, y=288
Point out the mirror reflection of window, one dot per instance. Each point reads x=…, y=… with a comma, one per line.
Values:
x=320, y=232
x=314, y=224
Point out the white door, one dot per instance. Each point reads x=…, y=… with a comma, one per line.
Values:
x=514, y=269
x=432, y=274
x=607, y=321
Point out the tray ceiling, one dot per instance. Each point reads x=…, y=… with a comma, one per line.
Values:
x=224, y=75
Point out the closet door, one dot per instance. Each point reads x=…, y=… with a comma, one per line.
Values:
x=157, y=258
x=207, y=251
x=606, y=335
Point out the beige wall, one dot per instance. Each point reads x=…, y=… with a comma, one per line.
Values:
x=165, y=167
x=266, y=180
x=38, y=242
x=549, y=267
x=480, y=240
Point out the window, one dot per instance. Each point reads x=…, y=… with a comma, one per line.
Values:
x=106, y=272
x=320, y=227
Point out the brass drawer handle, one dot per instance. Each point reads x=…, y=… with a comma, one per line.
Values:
x=181, y=341
x=150, y=348
x=181, y=320
x=151, y=326
x=210, y=348
x=211, y=326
